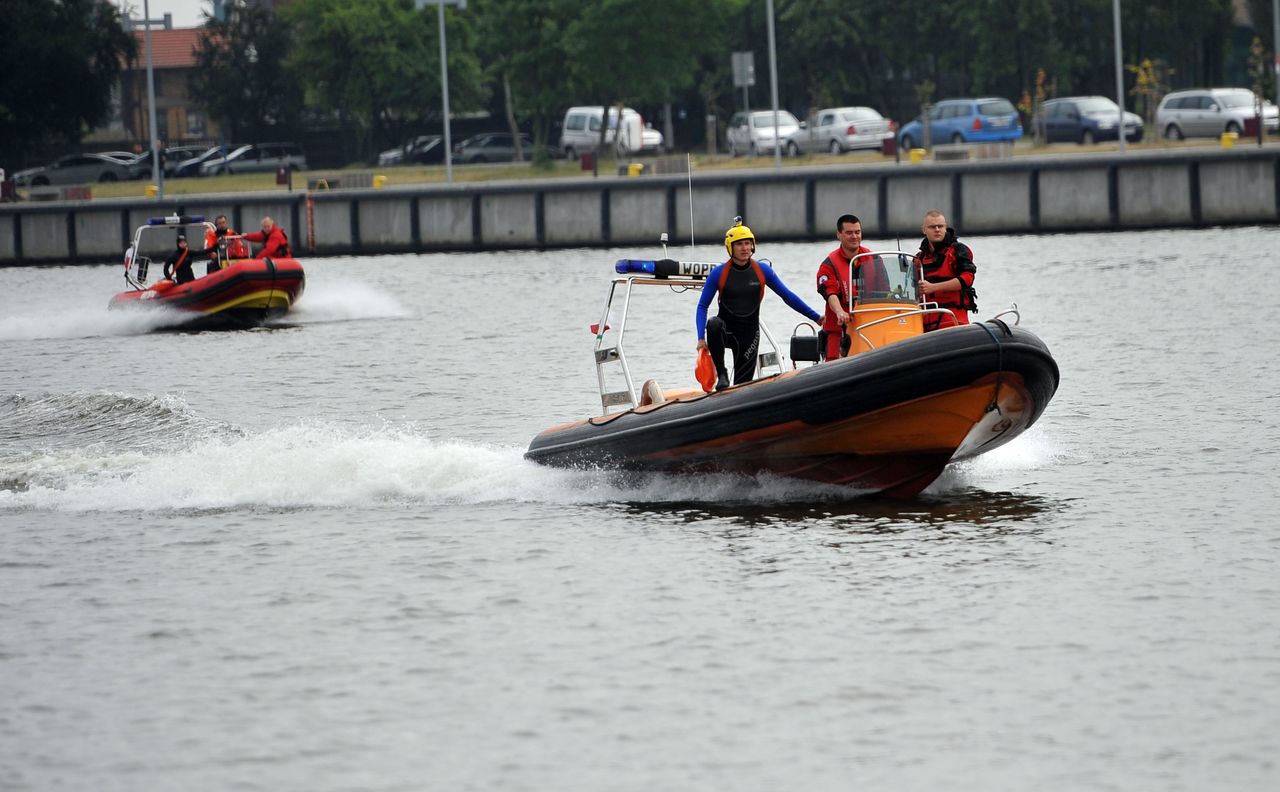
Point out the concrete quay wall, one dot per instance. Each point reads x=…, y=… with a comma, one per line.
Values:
x=1176, y=188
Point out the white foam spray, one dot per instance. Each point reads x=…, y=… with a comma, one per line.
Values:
x=344, y=300
x=85, y=322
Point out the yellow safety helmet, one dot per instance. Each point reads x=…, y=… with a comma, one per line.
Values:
x=738, y=231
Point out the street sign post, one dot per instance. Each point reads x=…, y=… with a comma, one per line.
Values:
x=744, y=74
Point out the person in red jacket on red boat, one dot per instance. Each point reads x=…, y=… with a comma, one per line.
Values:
x=946, y=272
x=838, y=277
x=224, y=243
x=273, y=240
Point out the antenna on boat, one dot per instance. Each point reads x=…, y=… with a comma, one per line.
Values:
x=688, y=170
x=663, y=240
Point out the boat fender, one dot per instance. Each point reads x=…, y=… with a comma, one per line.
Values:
x=651, y=393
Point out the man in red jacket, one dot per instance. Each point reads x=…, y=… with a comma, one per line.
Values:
x=274, y=243
x=838, y=277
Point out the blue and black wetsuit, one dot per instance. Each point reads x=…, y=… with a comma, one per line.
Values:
x=737, y=324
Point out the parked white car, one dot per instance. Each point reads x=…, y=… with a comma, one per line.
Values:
x=581, y=131
x=841, y=129
x=1208, y=112
x=754, y=133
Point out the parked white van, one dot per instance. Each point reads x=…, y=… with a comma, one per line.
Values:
x=581, y=131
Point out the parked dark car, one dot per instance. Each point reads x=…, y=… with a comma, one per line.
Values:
x=1085, y=119
x=422, y=150
x=74, y=169
x=497, y=147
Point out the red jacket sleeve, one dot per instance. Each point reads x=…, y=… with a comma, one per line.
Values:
x=828, y=280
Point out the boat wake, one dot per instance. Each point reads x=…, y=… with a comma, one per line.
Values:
x=342, y=301
x=85, y=321
x=117, y=453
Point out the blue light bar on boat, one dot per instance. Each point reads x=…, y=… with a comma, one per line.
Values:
x=664, y=268
x=175, y=220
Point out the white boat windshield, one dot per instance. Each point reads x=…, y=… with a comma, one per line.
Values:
x=887, y=276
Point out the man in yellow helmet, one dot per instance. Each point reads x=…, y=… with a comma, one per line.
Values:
x=740, y=283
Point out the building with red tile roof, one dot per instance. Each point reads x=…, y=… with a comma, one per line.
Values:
x=179, y=119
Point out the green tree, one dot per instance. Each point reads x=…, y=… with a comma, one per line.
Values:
x=530, y=76
x=1192, y=36
x=622, y=51
x=376, y=64
x=60, y=61
x=241, y=77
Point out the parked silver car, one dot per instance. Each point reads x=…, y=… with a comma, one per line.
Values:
x=841, y=129
x=753, y=133
x=74, y=169
x=1208, y=112
x=257, y=158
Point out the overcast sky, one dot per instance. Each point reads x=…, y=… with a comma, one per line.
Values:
x=186, y=13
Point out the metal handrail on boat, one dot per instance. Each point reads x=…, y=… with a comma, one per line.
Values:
x=616, y=353
x=1012, y=309
x=139, y=258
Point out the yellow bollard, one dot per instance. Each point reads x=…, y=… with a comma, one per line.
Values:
x=379, y=181
x=635, y=168
x=1228, y=139
x=917, y=155
x=152, y=191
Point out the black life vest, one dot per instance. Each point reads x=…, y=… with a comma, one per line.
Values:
x=738, y=304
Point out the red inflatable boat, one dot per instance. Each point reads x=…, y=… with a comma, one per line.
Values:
x=242, y=292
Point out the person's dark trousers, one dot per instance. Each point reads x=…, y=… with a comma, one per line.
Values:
x=741, y=336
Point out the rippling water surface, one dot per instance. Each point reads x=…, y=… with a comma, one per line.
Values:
x=312, y=557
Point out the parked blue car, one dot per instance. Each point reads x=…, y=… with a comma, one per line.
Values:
x=980, y=120
x=1085, y=119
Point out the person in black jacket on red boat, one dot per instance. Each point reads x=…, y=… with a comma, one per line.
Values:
x=178, y=265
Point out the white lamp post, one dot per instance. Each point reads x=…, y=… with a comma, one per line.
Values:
x=156, y=170
x=444, y=76
x=1275, y=46
x=773, y=87
x=1115, y=13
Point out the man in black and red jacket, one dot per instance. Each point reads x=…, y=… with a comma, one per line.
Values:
x=946, y=272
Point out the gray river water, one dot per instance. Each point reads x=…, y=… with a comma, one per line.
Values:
x=312, y=557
